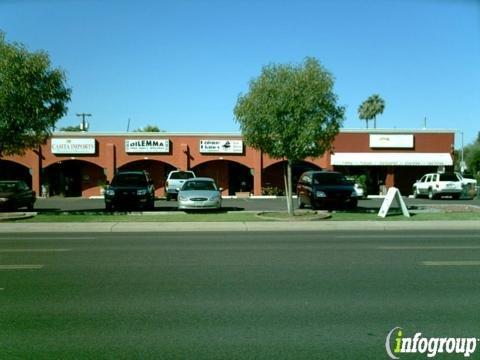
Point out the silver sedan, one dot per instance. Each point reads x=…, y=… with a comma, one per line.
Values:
x=199, y=193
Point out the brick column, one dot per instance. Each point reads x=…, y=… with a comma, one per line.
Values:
x=185, y=157
x=110, y=161
x=36, y=171
x=257, y=173
x=390, y=177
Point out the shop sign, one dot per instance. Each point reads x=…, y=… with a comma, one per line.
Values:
x=147, y=146
x=73, y=146
x=221, y=146
x=391, y=141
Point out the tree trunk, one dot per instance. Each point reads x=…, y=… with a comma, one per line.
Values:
x=289, y=187
x=285, y=180
x=287, y=176
x=374, y=122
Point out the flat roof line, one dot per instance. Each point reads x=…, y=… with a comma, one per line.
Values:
x=238, y=134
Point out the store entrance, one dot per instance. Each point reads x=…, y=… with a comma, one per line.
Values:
x=65, y=179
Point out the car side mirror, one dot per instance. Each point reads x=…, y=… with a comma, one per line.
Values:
x=107, y=183
x=220, y=189
x=178, y=189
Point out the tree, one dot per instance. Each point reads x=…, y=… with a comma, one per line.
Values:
x=370, y=108
x=71, y=128
x=33, y=98
x=149, y=128
x=290, y=112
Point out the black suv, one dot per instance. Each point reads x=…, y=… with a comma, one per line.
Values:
x=130, y=189
x=326, y=189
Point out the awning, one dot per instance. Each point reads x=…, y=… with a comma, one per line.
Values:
x=391, y=159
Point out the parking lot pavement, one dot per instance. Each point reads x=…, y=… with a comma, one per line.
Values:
x=249, y=204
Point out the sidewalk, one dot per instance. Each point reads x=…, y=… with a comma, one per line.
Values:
x=238, y=226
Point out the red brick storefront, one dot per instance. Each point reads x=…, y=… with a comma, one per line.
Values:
x=78, y=164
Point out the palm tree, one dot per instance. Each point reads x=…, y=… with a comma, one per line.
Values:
x=370, y=108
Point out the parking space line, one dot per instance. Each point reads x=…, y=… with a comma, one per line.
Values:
x=452, y=263
x=21, y=267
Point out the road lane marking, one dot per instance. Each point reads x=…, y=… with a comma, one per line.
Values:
x=452, y=263
x=404, y=236
x=32, y=250
x=46, y=238
x=20, y=267
x=428, y=247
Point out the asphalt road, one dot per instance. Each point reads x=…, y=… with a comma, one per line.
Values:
x=234, y=295
x=82, y=204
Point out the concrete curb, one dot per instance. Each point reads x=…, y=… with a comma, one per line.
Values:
x=470, y=225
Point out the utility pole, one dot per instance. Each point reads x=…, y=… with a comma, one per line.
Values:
x=84, y=125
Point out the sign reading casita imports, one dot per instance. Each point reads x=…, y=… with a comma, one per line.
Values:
x=147, y=146
x=73, y=146
x=391, y=141
x=221, y=146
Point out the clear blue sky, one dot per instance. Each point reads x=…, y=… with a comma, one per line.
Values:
x=181, y=64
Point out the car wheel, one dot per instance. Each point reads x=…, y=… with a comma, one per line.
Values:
x=431, y=196
x=30, y=206
x=168, y=197
x=456, y=196
x=415, y=193
x=300, y=204
x=108, y=207
x=352, y=205
x=151, y=205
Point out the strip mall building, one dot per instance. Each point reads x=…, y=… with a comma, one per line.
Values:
x=79, y=164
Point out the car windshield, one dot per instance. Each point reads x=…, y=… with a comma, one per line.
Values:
x=199, y=185
x=330, y=179
x=129, y=180
x=181, y=175
x=8, y=186
x=448, y=177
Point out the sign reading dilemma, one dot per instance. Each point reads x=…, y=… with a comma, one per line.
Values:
x=221, y=146
x=147, y=146
x=73, y=146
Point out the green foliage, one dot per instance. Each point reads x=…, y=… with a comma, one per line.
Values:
x=33, y=97
x=370, y=108
x=472, y=158
x=272, y=190
x=149, y=128
x=290, y=111
x=71, y=128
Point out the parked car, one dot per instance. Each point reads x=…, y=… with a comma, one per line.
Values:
x=130, y=189
x=359, y=189
x=200, y=193
x=434, y=185
x=175, y=181
x=469, y=184
x=16, y=194
x=325, y=189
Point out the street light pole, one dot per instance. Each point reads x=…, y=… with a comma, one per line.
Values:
x=84, y=125
x=462, y=164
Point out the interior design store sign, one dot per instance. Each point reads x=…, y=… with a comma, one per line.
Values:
x=73, y=146
x=221, y=146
